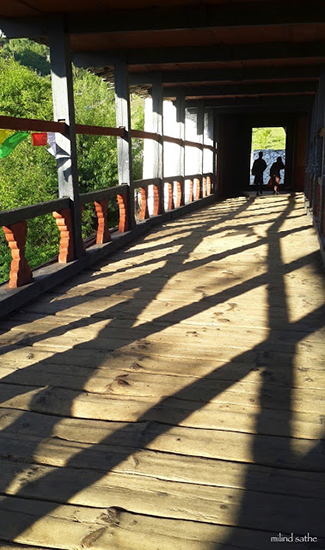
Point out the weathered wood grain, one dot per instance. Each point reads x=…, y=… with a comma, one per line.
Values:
x=172, y=398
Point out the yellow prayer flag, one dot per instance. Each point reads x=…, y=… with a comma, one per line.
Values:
x=4, y=134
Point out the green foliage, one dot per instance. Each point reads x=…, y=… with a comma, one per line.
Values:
x=137, y=123
x=23, y=93
x=30, y=54
x=28, y=175
x=268, y=138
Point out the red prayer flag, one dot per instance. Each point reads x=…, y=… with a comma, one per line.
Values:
x=39, y=138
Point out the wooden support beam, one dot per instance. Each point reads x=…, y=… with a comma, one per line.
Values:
x=180, y=118
x=243, y=74
x=27, y=27
x=158, y=150
x=320, y=153
x=314, y=51
x=245, y=90
x=215, y=167
x=252, y=13
x=279, y=103
x=63, y=105
x=124, y=144
x=208, y=154
x=200, y=139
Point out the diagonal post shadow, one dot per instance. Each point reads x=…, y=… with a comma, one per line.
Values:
x=299, y=521
x=15, y=381
x=194, y=395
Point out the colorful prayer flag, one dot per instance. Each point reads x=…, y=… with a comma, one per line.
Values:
x=52, y=143
x=40, y=138
x=11, y=142
x=4, y=134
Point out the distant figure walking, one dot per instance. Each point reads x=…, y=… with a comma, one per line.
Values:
x=275, y=176
x=258, y=168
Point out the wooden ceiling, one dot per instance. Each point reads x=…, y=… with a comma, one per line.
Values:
x=264, y=54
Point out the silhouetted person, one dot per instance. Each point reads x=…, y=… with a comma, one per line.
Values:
x=275, y=176
x=258, y=168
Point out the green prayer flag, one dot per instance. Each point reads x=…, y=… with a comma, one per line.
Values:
x=11, y=142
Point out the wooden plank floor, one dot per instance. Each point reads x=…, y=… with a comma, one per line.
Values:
x=173, y=397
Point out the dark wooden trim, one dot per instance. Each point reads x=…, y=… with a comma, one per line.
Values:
x=201, y=146
x=246, y=90
x=145, y=135
x=174, y=178
x=170, y=139
x=17, y=215
x=310, y=72
x=145, y=182
x=207, y=54
x=197, y=16
x=286, y=103
x=27, y=27
x=191, y=176
x=250, y=13
x=237, y=52
x=186, y=142
x=32, y=125
x=108, y=193
x=100, y=130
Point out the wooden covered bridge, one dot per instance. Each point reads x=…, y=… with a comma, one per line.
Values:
x=163, y=388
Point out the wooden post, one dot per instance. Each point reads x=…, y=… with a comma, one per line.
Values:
x=322, y=161
x=156, y=199
x=200, y=139
x=64, y=223
x=310, y=162
x=20, y=272
x=215, y=169
x=198, y=186
x=180, y=118
x=144, y=214
x=63, y=106
x=170, y=187
x=103, y=234
x=123, y=203
x=157, y=127
x=191, y=196
x=124, y=144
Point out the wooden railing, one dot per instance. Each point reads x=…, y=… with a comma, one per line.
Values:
x=315, y=200
x=14, y=222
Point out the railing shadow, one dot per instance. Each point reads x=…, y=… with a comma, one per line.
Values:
x=192, y=397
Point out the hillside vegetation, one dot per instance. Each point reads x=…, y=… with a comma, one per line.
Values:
x=268, y=138
x=28, y=175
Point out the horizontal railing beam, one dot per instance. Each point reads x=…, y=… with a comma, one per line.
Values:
x=174, y=178
x=31, y=124
x=146, y=135
x=100, y=130
x=101, y=194
x=146, y=182
x=24, y=213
